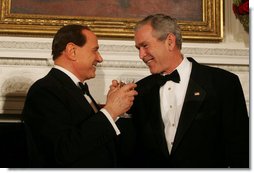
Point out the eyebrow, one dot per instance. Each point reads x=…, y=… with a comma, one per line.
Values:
x=140, y=44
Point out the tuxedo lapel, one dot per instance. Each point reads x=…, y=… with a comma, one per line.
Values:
x=94, y=102
x=72, y=89
x=193, y=100
x=80, y=99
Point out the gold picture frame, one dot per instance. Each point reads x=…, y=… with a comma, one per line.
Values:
x=209, y=28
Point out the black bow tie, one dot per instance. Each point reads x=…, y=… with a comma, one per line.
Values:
x=84, y=88
x=174, y=76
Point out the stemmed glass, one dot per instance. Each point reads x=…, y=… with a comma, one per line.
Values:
x=123, y=81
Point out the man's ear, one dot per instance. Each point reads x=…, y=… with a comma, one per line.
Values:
x=171, y=41
x=71, y=51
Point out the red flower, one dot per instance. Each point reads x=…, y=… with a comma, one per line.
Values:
x=242, y=9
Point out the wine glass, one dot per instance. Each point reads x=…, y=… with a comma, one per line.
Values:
x=123, y=81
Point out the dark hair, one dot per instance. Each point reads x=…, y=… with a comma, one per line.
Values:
x=65, y=35
x=162, y=25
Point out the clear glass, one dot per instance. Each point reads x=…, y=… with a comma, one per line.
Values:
x=123, y=81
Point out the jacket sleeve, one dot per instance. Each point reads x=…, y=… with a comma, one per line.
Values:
x=236, y=125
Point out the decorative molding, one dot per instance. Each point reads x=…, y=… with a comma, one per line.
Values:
x=24, y=45
x=216, y=51
x=31, y=52
x=105, y=64
x=25, y=61
x=15, y=86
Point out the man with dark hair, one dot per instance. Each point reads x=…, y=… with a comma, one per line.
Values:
x=186, y=115
x=65, y=126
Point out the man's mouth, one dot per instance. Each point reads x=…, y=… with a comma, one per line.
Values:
x=148, y=61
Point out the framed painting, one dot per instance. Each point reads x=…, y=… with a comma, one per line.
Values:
x=198, y=19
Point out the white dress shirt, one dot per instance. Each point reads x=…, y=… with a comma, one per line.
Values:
x=172, y=97
x=76, y=81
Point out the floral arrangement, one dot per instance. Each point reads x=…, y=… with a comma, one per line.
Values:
x=241, y=10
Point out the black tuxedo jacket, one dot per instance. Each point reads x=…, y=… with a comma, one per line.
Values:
x=62, y=128
x=213, y=129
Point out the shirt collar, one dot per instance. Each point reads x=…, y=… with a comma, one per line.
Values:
x=183, y=67
x=68, y=73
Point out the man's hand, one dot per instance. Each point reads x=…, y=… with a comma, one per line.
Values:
x=120, y=98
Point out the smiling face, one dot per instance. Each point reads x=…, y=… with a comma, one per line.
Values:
x=153, y=52
x=87, y=57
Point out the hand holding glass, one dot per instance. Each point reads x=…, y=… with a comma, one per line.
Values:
x=122, y=82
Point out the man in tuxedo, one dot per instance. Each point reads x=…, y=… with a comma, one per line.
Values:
x=186, y=115
x=65, y=126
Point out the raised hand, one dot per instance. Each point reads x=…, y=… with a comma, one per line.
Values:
x=120, y=98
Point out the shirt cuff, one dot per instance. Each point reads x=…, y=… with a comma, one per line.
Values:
x=111, y=121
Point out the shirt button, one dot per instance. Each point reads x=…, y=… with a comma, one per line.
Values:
x=169, y=88
x=170, y=106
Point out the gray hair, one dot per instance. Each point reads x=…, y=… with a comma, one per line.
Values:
x=162, y=25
